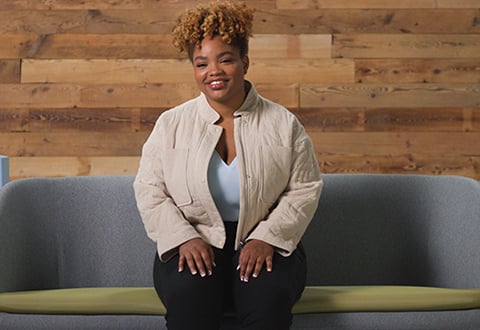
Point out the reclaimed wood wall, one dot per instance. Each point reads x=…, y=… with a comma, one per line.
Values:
x=382, y=86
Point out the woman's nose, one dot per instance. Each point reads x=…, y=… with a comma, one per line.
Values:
x=215, y=70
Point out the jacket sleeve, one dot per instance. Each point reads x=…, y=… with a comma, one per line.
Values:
x=164, y=222
x=286, y=223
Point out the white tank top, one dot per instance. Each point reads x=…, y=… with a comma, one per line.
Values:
x=224, y=186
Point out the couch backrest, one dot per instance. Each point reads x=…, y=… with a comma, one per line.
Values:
x=397, y=230
x=72, y=232
x=368, y=229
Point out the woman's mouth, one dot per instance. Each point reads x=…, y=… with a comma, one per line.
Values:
x=216, y=84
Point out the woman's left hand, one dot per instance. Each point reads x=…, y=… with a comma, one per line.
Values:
x=255, y=253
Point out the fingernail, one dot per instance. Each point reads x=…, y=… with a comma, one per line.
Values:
x=203, y=274
x=238, y=267
x=255, y=275
x=209, y=273
x=194, y=272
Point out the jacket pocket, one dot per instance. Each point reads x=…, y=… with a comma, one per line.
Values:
x=175, y=175
x=275, y=169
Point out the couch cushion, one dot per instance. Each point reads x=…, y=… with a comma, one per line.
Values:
x=140, y=300
x=144, y=301
x=385, y=299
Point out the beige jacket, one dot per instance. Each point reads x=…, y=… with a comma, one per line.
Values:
x=280, y=181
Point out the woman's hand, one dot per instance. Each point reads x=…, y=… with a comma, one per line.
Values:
x=198, y=256
x=253, y=256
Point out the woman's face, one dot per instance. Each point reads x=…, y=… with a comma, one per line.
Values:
x=219, y=73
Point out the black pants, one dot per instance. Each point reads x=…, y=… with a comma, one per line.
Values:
x=263, y=303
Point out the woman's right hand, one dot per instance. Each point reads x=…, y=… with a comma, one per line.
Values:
x=198, y=256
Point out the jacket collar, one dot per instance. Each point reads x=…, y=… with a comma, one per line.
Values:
x=248, y=106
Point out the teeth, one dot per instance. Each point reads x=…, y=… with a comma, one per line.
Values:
x=214, y=83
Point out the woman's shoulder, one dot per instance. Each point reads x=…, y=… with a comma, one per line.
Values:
x=177, y=113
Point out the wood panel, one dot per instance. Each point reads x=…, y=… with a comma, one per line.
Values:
x=72, y=144
x=402, y=164
x=180, y=71
x=385, y=144
x=9, y=71
x=430, y=70
x=379, y=21
x=390, y=119
x=117, y=4
x=382, y=86
x=368, y=4
x=404, y=95
x=406, y=46
x=81, y=46
x=58, y=96
x=151, y=46
x=315, y=21
x=26, y=167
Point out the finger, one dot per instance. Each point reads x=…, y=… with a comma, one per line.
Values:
x=181, y=263
x=199, y=263
x=269, y=263
x=191, y=264
x=211, y=261
x=207, y=263
x=247, y=271
x=258, y=267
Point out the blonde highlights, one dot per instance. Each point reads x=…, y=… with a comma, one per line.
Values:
x=231, y=21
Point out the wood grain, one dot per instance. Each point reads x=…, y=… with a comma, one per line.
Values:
x=367, y=4
x=180, y=71
x=9, y=71
x=406, y=46
x=390, y=119
x=72, y=144
x=267, y=21
x=118, y=4
x=388, y=96
x=452, y=70
x=384, y=144
x=381, y=86
x=26, y=167
x=376, y=21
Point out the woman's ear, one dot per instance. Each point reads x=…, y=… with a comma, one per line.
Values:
x=246, y=64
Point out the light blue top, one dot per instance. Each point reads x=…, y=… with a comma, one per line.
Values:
x=224, y=186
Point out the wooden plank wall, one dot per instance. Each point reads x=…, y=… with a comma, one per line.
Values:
x=382, y=86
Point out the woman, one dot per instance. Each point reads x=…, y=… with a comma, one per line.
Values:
x=226, y=187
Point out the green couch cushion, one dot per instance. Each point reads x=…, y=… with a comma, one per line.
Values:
x=314, y=300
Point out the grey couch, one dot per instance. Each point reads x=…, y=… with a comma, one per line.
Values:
x=384, y=251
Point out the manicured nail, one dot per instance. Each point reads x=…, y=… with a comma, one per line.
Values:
x=255, y=275
x=194, y=272
x=238, y=267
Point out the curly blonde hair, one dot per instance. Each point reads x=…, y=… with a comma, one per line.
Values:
x=231, y=21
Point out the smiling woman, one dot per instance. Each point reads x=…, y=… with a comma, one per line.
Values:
x=227, y=184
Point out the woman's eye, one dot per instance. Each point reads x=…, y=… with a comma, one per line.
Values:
x=226, y=60
x=200, y=65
